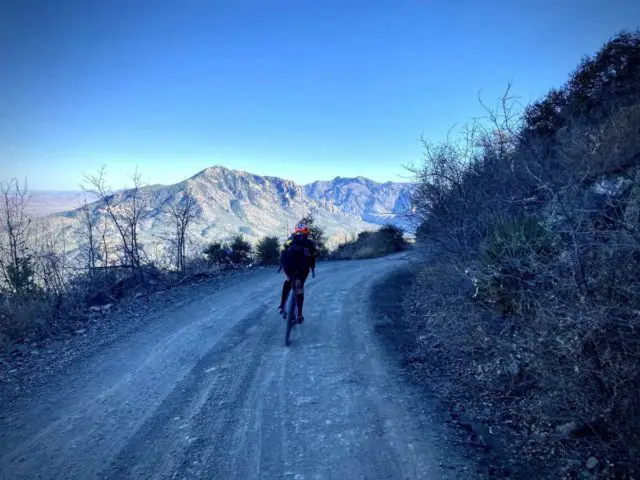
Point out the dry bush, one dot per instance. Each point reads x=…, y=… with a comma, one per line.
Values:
x=547, y=230
x=513, y=264
x=198, y=266
x=17, y=262
x=97, y=287
x=553, y=386
x=22, y=316
x=32, y=271
x=387, y=239
x=45, y=289
x=365, y=252
x=590, y=151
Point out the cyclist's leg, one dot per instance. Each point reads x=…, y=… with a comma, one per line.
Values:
x=286, y=288
x=299, y=289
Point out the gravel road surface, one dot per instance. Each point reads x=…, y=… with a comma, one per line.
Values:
x=208, y=390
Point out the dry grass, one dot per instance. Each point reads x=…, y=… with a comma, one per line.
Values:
x=555, y=390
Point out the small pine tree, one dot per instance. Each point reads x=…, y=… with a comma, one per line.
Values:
x=268, y=250
x=216, y=253
x=316, y=233
x=240, y=250
x=20, y=275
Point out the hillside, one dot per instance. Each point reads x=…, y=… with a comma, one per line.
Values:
x=373, y=202
x=530, y=307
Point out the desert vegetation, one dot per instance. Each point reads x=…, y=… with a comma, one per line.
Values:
x=45, y=288
x=370, y=244
x=268, y=250
x=529, y=303
x=238, y=251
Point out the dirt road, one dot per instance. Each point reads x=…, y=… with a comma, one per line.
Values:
x=209, y=391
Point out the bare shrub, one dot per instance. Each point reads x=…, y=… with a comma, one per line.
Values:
x=182, y=212
x=52, y=269
x=90, y=246
x=196, y=266
x=126, y=210
x=16, y=235
x=34, y=266
x=22, y=265
x=545, y=228
x=25, y=315
x=463, y=183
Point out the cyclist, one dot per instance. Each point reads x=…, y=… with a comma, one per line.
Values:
x=298, y=256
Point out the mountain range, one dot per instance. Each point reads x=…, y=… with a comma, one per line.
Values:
x=233, y=201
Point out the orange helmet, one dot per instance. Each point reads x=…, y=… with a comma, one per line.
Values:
x=301, y=229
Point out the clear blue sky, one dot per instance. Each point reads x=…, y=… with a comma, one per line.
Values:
x=301, y=89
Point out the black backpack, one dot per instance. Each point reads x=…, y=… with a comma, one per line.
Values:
x=299, y=249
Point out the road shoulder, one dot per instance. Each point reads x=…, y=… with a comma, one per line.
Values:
x=485, y=458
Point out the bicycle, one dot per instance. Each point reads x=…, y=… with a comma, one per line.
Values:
x=290, y=313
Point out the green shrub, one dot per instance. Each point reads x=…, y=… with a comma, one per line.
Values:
x=393, y=237
x=316, y=233
x=513, y=261
x=240, y=250
x=268, y=250
x=237, y=252
x=20, y=276
x=216, y=253
x=388, y=239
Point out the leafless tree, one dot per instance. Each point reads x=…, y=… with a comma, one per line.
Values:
x=16, y=257
x=50, y=251
x=105, y=250
x=134, y=212
x=182, y=212
x=91, y=247
x=126, y=211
